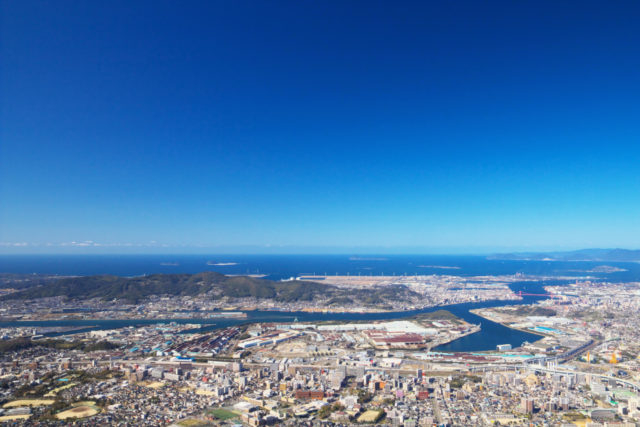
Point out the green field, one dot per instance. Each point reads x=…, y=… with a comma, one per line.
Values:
x=223, y=414
x=192, y=423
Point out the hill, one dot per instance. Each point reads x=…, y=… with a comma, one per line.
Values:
x=135, y=289
x=209, y=284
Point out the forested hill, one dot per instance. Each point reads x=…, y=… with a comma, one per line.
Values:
x=134, y=289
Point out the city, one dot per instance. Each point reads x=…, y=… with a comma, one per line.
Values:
x=319, y=213
x=582, y=367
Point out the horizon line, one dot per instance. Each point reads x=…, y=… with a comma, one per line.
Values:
x=339, y=252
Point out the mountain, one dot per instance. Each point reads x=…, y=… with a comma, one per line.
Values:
x=599, y=255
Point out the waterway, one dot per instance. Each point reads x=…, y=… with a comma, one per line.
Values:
x=490, y=335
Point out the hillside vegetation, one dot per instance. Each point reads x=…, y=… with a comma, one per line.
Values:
x=209, y=284
x=135, y=289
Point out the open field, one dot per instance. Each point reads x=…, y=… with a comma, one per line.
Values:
x=204, y=392
x=223, y=414
x=363, y=281
x=191, y=422
x=77, y=412
x=14, y=417
x=370, y=416
x=55, y=391
x=151, y=384
x=370, y=281
x=28, y=402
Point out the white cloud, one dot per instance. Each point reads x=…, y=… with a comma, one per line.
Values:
x=14, y=244
x=83, y=244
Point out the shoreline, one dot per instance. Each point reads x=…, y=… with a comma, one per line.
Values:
x=254, y=309
x=274, y=315
x=274, y=311
x=477, y=312
x=471, y=332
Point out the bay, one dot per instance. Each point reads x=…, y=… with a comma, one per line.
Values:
x=278, y=267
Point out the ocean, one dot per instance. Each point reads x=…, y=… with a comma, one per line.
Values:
x=284, y=266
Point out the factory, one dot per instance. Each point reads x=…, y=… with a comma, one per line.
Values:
x=268, y=339
x=386, y=339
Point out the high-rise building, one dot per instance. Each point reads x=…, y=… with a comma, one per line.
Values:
x=527, y=405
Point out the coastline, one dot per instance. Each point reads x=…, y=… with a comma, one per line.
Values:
x=473, y=330
x=478, y=312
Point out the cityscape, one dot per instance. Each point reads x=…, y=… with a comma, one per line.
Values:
x=319, y=213
x=200, y=360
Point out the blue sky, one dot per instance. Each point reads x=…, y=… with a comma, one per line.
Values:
x=298, y=126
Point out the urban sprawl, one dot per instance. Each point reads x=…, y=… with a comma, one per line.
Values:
x=582, y=370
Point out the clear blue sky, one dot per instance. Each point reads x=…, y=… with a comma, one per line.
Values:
x=459, y=126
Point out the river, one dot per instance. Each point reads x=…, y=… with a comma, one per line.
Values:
x=490, y=335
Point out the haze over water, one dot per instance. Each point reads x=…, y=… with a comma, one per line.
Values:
x=284, y=266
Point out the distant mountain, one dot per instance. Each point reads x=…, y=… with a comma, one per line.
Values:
x=598, y=255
